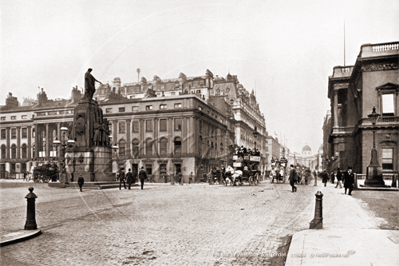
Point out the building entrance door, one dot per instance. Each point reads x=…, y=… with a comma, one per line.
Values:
x=135, y=171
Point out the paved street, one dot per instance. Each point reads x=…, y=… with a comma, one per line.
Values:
x=170, y=225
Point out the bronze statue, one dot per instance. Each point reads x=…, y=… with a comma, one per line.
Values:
x=89, y=85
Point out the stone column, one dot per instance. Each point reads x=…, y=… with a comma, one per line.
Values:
x=335, y=108
x=115, y=132
x=184, y=135
x=155, y=144
x=36, y=142
x=18, y=142
x=141, y=143
x=170, y=136
x=8, y=143
x=29, y=151
x=47, y=141
x=191, y=136
x=128, y=140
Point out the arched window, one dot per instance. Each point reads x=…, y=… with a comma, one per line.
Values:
x=148, y=147
x=200, y=146
x=3, y=151
x=122, y=146
x=163, y=146
x=13, y=151
x=177, y=143
x=135, y=144
x=23, y=151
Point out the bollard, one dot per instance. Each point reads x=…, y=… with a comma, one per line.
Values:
x=355, y=181
x=30, y=214
x=317, y=222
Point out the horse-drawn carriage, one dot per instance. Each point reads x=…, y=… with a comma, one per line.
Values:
x=246, y=169
x=46, y=172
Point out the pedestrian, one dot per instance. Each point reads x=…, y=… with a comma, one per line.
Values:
x=122, y=179
x=332, y=176
x=24, y=176
x=142, y=176
x=324, y=176
x=81, y=181
x=349, y=180
x=293, y=178
x=129, y=178
x=181, y=179
x=339, y=178
x=190, y=178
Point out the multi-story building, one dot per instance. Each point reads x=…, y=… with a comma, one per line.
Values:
x=326, y=162
x=373, y=81
x=168, y=126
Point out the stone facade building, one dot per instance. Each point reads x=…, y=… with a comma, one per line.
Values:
x=373, y=81
x=183, y=125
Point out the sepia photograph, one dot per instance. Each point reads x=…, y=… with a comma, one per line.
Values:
x=187, y=132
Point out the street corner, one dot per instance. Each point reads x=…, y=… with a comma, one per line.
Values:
x=9, y=238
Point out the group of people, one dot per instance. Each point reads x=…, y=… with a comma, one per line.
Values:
x=347, y=178
x=243, y=150
x=131, y=178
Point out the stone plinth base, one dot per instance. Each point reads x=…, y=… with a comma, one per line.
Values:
x=374, y=177
x=94, y=164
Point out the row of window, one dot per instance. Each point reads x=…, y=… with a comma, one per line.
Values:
x=149, y=125
x=147, y=108
x=24, y=151
x=14, y=117
x=24, y=133
x=163, y=146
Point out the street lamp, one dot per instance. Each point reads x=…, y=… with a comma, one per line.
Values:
x=62, y=143
x=255, y=133
x=374, y=170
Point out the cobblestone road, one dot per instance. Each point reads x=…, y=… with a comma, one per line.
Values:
x=169, y=225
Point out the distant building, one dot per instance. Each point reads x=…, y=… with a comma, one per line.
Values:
x=373, y=81
x=188, y=124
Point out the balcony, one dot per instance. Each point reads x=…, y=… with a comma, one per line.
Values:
x=381, y=49
x=389, y=119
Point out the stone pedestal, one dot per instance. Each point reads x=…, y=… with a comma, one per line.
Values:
x=94, y=164
x=374, y=172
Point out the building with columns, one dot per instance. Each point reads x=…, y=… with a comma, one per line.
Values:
x=189, y=124
x=373, y=81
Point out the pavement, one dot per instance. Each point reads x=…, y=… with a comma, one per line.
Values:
x=342, y=243
x=351, y=233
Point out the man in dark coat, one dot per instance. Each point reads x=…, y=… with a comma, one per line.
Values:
x=129, y=178
x=142, y=176
x=81, y=181
x=339, y=178
x=349, y=180
x=122, y=179
x=324, y=176
x=293, y=178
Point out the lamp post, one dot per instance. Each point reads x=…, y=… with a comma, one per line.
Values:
x=115, y=149
x=62, y=143
x=374, y=170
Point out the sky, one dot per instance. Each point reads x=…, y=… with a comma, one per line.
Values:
x=283, y=50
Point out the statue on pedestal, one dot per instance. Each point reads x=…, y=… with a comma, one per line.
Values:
x=89, y=85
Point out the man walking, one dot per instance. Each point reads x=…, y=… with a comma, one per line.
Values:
x=293, y=178
x=121, y=179
x=324, y=176
x=349, y=179
x=81, y=181
x=142, y=176
x=339, y=178
x=129, y=179
x=190, y=178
